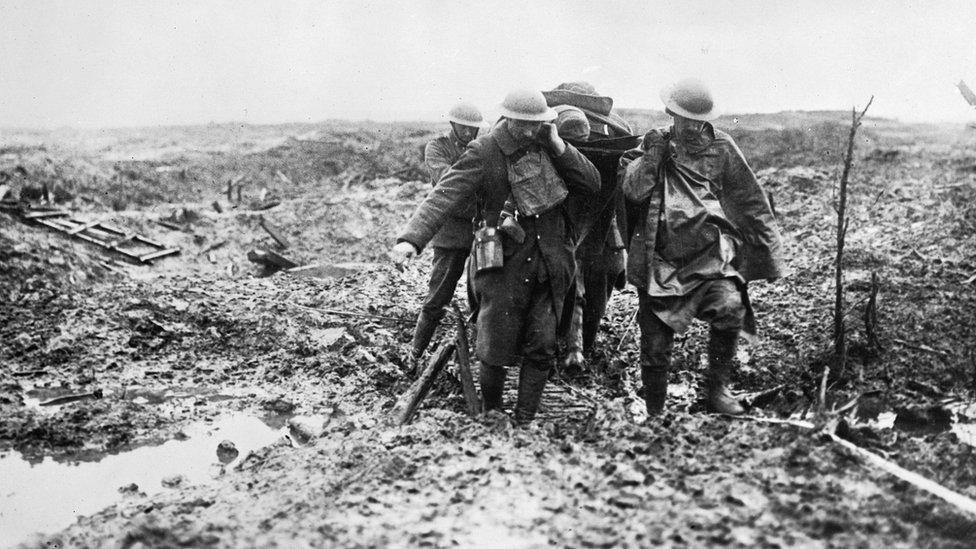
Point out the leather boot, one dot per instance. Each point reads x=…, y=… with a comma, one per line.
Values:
x=422, y=334
x=657, y=341
x=655, y=387
x=492, y=380
x=721, y=352
x=532, y=380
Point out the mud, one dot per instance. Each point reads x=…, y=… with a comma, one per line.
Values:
x=155, y=351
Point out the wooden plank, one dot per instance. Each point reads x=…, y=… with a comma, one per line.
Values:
x=112, y=229
x=407, y=405
x=84, y=227
x=148, y=242
x=156, y=255
x=116, y=243
x=275, y=232
x=42, y=215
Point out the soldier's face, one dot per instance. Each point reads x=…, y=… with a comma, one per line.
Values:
x=523, y=131
x=686, y=128
x=464, y=133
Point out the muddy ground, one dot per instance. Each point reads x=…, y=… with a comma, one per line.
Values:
x=156, y=350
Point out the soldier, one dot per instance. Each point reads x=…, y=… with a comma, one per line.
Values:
x=705, y=230
x=602, y=254
x=520, y=290
x=452, y=243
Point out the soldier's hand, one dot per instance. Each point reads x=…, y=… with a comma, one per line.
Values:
x=550, y=138
x=402, y=251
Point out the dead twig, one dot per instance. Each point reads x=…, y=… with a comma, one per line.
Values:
x=840, y=342
x=919, y=347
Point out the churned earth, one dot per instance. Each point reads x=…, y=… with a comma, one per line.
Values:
x=300, y=370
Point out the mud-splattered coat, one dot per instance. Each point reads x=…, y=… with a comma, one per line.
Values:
x=481, y=176
x=719, y=162
x=439, y=155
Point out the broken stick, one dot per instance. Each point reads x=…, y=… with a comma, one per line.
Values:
x=407, y=405
x=275, y=232
x=464, y=364
x=956, y=499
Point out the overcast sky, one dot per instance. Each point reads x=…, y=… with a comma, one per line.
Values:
x=103, y=63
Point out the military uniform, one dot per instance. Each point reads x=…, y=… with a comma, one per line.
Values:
x=706, y=230
x=451, y=245
x=519, y=304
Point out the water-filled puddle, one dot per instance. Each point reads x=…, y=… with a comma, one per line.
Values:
x=50, y=495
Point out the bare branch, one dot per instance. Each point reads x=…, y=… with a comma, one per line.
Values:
x=840, y=343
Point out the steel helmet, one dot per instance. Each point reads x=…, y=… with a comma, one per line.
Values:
x=465, y=114
x=690, y=98
x=529, y=105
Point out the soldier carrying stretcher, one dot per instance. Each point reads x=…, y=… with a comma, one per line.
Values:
x=704, y=229
x=520, y=291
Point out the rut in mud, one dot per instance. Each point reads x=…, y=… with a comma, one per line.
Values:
x=170, y=351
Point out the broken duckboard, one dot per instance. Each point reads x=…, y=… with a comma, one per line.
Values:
x=109, y=237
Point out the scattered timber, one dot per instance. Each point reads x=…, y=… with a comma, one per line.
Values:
x=407, y=405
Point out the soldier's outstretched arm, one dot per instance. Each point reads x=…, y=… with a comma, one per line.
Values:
x=454, y=191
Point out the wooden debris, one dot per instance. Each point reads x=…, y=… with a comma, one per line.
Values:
x=168, y=225
x=967, y=93
x=407, y=405
x=212, y=247
x=275, y=232
x=103, y=235
x=270, y=259
x=760, y=399
x=920, y=347
x=956, y=499
x=261, y=206
x=45, y=214
x=97, y=393
x=464, y=364
x=28, y=373
x=217, y=207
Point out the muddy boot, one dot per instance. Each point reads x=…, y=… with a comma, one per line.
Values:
x=655, y=377
x=422, y=334
x=532, y=380
x=657, y=341
x=492, y=380
x=721, y=351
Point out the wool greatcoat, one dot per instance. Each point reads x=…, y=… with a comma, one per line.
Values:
x=544, y=262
